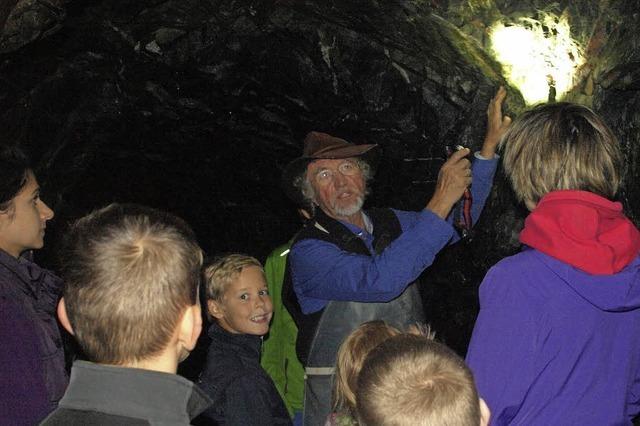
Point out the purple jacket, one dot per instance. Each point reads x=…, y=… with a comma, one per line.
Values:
x=553, y=345
x=33, y=376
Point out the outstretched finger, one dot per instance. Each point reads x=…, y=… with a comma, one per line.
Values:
x=495, y=105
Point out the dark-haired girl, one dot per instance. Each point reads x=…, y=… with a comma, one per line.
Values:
x=33, y=375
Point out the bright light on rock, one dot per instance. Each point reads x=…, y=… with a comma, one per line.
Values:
x=538, y=56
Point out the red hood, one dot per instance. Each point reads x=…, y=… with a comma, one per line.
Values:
x=584, y=230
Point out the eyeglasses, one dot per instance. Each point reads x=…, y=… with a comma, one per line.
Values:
x=346, y=168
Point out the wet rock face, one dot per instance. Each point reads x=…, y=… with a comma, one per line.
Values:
x=25, y=21
x=196, y=106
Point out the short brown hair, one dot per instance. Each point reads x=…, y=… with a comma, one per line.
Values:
x=130, y=272
x=411, y=380
x=561, y=146
x=218, y=273
x=350, y=358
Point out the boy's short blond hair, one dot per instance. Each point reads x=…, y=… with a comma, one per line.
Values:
x=130, y=272
x=350, y=358
x=561, y=146
x=220, y=272
x=410, y=380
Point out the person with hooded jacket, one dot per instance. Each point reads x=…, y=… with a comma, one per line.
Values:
x=557, y=339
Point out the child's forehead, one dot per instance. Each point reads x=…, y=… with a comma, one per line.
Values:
x=249, y=276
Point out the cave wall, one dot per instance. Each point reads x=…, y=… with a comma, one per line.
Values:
x=195, y=107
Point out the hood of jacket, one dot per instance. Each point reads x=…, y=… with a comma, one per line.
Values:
x=587, y=242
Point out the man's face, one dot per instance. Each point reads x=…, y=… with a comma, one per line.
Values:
x=339, y=187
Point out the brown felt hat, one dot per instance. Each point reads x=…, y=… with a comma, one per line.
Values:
x=318, y=146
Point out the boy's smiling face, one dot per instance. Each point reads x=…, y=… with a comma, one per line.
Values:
x=246, y=307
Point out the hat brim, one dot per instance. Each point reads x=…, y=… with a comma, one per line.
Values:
x=299, y=165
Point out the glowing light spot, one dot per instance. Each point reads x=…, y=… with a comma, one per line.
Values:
x=538, y=56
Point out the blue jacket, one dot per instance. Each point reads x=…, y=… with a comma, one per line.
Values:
x=31, y=352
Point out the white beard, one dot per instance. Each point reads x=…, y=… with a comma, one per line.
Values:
x=350, y=210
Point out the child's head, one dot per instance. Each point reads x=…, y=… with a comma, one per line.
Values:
x=561, y=146
x=410, y=380
x=351, y=355
x=237, y=294
x=131, y=285
x=23, y=215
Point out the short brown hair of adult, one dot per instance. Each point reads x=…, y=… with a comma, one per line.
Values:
x=130, y=272
x=561, y=146
x=219, y=272
x=411, y=380
x=350, y=358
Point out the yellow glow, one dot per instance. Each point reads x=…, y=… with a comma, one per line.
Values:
x=534, y=53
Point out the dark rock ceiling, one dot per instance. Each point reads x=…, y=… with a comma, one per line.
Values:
x=195, y=106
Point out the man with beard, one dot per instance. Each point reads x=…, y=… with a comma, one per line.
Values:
x=347, y=265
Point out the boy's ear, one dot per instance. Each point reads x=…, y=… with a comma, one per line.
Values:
x=215, y=309
x=62, y=316
x=190, y=328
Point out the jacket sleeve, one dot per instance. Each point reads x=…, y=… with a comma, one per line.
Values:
x=483, y=172
x=23, y=396
x=322, y=270
x=502, y=347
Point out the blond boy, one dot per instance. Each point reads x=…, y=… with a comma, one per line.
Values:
x=410, y=380
x=131, y=300
x=238, y=302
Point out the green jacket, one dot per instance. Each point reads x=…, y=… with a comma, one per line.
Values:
x=279, y=357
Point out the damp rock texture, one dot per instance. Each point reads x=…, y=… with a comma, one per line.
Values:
x=195, y=106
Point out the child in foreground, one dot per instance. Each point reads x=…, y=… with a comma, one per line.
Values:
x=131, y=300
x=351, y=356
x=411, y=380
x=238, y=301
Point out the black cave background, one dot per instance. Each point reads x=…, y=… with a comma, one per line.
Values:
x=195, y=106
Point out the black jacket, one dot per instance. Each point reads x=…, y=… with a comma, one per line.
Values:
x=242, y=392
